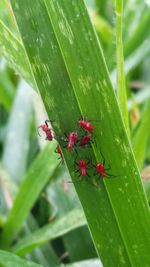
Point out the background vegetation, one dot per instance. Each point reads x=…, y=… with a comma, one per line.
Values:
x=44, y=221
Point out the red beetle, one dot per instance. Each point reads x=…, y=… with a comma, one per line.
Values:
x=47, y=131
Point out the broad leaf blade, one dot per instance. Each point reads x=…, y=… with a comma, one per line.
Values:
x=8, y=260
x=114, y=143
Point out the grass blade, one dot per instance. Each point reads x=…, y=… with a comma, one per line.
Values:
x=17, y=138
x=67, y=223
x=141, y=136
x=30, y=188
x=8, y=260
x=134, y=59
x=147, y=189
x=139, y=35
x=88, y=263
x=13, y=51
x=7, y=90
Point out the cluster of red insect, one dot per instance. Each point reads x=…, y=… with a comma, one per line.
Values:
x=74, y=142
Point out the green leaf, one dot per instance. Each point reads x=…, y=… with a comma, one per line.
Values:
x=134, y=59
x=8, y=190
x=7, y=90
x=140, y=98
x=141, y=136
x=132, y=17
x=6, y=16
x=137, y=56
x=70, y=72
x=139, y=35
x=17, y=135
x=105, y=8
x=63, y=202
x=36, y=178
x=13, y=51
x=147, y=189
x=81, y=239
x=43, y=254
x=88, y=263
x=8, y=260
x=67, y=223
x=103, y=28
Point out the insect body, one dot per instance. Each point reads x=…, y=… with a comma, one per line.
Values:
x=100, y=168
x=85, y=140
x=46, y=130
x=72, y=139
x=88, y=126
x=82, y=166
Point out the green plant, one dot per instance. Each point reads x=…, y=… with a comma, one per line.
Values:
x=61, y=57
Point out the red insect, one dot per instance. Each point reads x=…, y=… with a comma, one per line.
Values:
x=85, y=140
x=100, y=168
x=86, y=125
x=58, y=150
x=82, y=166
x=47, y=131
x=72, y=140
